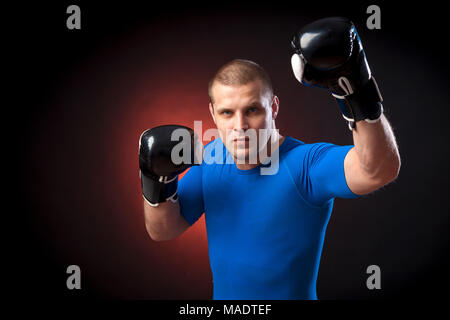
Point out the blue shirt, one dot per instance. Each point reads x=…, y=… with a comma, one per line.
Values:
x=266, y=232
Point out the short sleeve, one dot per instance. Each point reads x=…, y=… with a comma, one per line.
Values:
x=326, y=176
x=190, y=195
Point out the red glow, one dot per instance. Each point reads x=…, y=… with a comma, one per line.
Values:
x=89, y=197
x=186, y=258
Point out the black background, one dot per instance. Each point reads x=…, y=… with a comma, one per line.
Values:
x=60, y=91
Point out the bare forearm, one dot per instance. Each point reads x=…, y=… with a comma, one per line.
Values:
x=377, y=149
x=165, y=221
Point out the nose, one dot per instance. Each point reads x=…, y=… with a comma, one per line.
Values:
x=240, y=122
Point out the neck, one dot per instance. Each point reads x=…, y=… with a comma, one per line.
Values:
x=270, y=147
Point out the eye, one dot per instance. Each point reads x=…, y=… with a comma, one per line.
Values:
x=252, y=110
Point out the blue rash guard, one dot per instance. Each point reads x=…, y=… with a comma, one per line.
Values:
x=266, y=232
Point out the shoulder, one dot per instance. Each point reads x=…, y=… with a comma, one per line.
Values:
x=293, y=146
x=299, y=154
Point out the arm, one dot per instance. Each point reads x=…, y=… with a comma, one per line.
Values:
x=329, y=54
x=159, y=170
x=165, y=221
x=375, y=160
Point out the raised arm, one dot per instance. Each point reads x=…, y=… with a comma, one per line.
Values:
x=375, y=160
x=329, y=54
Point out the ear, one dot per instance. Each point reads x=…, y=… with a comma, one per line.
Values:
x=211, y=110
x=275, y=107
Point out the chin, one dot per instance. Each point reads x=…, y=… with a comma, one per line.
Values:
x=245, y=155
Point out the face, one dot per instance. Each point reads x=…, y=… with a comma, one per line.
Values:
x=236, y=110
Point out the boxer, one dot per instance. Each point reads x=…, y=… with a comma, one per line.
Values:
x=266, y=231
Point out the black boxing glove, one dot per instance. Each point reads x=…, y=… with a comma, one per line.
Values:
x=164, y=153
x=329, y=54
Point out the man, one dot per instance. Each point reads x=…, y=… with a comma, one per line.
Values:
x=266, y=231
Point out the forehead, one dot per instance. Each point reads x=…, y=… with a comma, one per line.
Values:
x=226, y=94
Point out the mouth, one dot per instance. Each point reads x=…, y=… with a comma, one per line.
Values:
x=241, y=142
x=241, y=139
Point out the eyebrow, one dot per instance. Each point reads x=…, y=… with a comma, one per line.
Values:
x=254, y=104
x=250, y=105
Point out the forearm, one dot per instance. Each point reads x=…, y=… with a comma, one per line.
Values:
x=377, y=149
x=165, y=221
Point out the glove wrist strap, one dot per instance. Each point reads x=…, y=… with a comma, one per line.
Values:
x=159, y=189
x=362, y=104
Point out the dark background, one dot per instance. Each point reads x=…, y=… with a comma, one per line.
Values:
x=81, y=98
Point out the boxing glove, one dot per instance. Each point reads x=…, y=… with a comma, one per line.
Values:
x=329, y=54
x=165, y=152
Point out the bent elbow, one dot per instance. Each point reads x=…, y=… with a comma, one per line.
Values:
x=395, y=170
x=157, y=237
x=391, y=172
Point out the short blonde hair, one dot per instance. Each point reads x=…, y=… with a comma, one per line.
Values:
x=239, y=72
